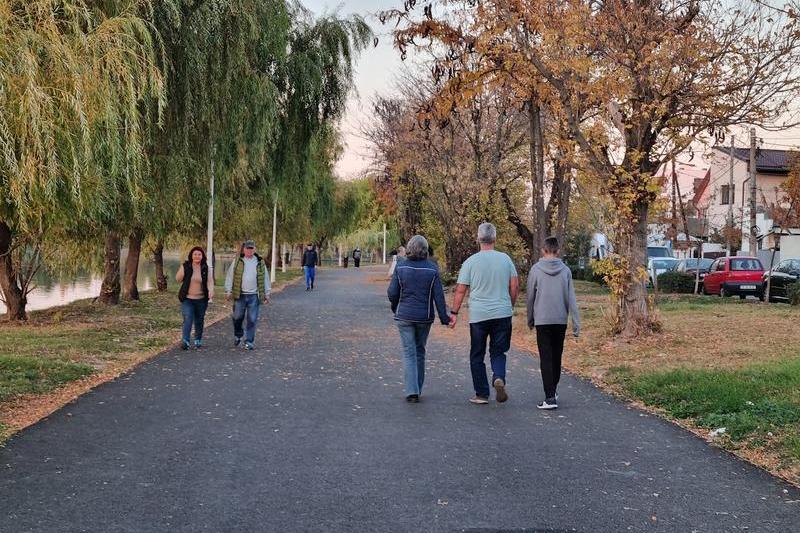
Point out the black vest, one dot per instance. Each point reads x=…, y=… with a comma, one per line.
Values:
x=187, y=278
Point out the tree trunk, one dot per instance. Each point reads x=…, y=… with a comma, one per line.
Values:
x=109, y=291
x=158, y=259
x=131, y=289
x=15, y=298
x=558, y=207
x=536, y=143
x=634, y=316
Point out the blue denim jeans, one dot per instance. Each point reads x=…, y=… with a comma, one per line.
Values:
x=414, y=336
x=246, y=306
x=498, y=333
x=194, y=314
x=310, y=275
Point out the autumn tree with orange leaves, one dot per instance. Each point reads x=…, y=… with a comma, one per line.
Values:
x=633, y=82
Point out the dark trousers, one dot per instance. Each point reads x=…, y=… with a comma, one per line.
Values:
x=498, y=333
x=194, y=314
x=357, y=262
x=311, y=273
x=550, y=340
x=246, y=306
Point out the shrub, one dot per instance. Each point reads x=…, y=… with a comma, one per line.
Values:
x=679, y=282
x=793, y=291
x=586, y=274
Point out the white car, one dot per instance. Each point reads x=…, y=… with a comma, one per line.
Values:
x=658, y=265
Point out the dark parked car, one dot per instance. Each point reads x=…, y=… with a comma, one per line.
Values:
x=741, y=276
x=783, y=275
x=690, y=266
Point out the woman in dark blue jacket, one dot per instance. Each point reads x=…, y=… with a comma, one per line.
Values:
x=414, y=291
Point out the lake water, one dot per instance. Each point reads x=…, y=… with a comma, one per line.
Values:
x=52, y=292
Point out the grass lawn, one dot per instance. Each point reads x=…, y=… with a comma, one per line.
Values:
x=719, y=363
x=60, y=353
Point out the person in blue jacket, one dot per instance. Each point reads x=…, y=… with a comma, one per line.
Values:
x=413, y=292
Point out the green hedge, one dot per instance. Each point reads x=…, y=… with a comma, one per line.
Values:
x=585, y=274
x=793, y=291
x=679, y=282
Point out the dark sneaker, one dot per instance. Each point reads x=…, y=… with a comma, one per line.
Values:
x=412, y=398
x=308, y=289
x=184, y=345
x=236, y=341
x=198, y=344
x=548, y=404
x=500, y=390
x=479, y=400
x=248, y=346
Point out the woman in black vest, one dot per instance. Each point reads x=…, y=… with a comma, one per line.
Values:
x=196, y=290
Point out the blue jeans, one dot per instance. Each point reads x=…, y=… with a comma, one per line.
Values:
x=246, y=304
x=194, y=313
x=414, y=336
x=498, y=333
x=311, y=272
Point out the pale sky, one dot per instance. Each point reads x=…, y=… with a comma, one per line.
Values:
x=374, y=74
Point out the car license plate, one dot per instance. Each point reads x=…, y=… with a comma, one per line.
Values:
x=748, y=287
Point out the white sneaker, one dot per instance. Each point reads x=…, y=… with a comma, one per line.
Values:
x=548, y=404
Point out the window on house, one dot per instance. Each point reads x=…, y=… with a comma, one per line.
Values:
x=727, y=194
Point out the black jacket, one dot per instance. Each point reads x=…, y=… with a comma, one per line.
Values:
x=310, y=258
x=187, y=278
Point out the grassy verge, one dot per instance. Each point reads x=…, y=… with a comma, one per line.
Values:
x=719, y=363
x=62, y=352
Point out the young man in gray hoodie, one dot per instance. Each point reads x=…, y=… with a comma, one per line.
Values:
x=551, y=299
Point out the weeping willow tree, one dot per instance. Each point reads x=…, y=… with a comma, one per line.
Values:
x=254, y=90
x=313, y=82
x=72, y=82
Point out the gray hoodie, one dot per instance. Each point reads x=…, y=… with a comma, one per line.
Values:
x=551, y=296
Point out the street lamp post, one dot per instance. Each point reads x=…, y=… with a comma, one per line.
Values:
x=210, y=235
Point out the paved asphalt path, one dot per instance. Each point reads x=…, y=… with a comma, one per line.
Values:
x=310, y=432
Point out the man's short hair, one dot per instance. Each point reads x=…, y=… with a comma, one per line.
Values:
x=487, y=233
x=551, y=245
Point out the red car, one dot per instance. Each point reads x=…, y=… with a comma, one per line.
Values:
x=735, y=275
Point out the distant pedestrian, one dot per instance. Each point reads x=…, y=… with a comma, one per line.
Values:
x=247, y=283
x=310, y=259
x=493, y=287
x=345, y=260
x=551, y=299
x=413, y=292
x=357, y=257
x=197, y=289
x=397, y=256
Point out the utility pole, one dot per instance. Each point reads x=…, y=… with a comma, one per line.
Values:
x=210, y=235
x=753, y=189
x=674, y=236
x=384, y=243
x=730, y=199
x=274, y=238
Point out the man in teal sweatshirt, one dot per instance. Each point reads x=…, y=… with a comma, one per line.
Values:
x=551, y=299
